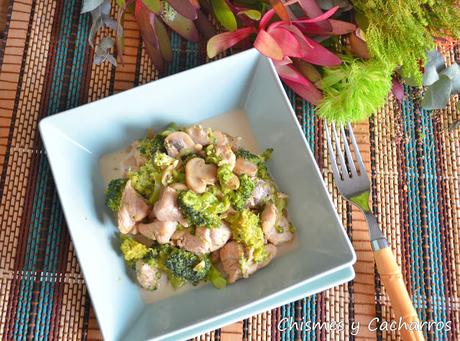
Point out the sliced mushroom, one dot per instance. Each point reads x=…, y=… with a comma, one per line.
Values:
x=275, y=225
x=199, y=135
x=243, y=166
x=177, y=141
x=166, y=209
x=198, y=175
x=161, y=231
x=133, y=208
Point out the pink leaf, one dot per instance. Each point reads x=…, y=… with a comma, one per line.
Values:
x=287, y=41
x=266, y=18
x=322, y=17
x=337, y=27
x=223, y=41
x=184, y=7
x=320, y=55
x=268, y=46
x=297, y=82
x=397, y=90
x=312, y=10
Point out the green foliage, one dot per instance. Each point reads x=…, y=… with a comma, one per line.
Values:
x=185, y=265
x=132, y=250
x=247, y=231
x=354, y=90
x=201, y=210
x=400, y=32
x=224, y=14
x=240, y=197
x=114, y=192
x=147, y=181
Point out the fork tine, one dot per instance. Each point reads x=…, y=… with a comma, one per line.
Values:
x=351, y=162
x=335, y=170
x=340, y=153
x=362, y=169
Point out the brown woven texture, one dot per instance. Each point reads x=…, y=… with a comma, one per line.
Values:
x=43, y=296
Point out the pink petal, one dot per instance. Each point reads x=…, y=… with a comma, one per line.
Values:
x=322, y=17
x=297, y=82
x=266, y=18
x=223, y=41
x=268, y=46
x=184, y=7
x=320, y=55
x=287, y=41
x=397, y=90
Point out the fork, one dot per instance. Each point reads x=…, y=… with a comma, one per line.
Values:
x=353, y=183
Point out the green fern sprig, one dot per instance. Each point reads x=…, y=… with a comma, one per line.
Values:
x=354, y=90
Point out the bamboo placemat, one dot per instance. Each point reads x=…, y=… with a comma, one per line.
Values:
x=46, y=67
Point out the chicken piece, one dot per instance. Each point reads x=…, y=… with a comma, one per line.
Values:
x=205, y=240
x=177, y=141
x=199, y=135
x=274, y=226
x=243, y=166
x=230, y=256
x=147, y=275
x=133, y=208
x=261, y=192
x=166, y=209
x=233, y=253
x=133, y=160
x=226, y=154
x=161, y=231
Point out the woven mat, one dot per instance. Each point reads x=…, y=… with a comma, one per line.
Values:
x=46, y=67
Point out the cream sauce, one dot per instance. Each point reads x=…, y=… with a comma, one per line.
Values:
x=114, y=165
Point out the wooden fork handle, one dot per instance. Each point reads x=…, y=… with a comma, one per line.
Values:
x=404, y=310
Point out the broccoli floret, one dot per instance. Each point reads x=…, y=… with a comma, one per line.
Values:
x=150, y=146
x=114, y=192
x=240, y=197
x=210, y=155
x=225, y=175
x=132, y=250
x=201, y=210
x=147, y=181
x=258, y=160
x=162, y=160
x=186, y=265
x=247, y=231
x=216, y=278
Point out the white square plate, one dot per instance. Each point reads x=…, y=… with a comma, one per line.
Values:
x=76, y=139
